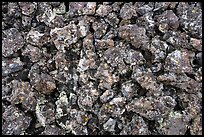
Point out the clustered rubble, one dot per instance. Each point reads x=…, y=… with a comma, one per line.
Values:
x=97, y=68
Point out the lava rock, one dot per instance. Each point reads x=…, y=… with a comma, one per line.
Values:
x=34, y=53
x=190, y=18
x=127, y=11
x=143, y=9
x=137, y=126
x=45, y=112
x=196, y=43
x=147, y=80
x=28, y=8
x=53, y=130
x=103, y=10
x=36, y=38
x=178, y=62
x=107, y=79
x=134, y=34
x=109, y=125
x=43, y=82
x=106, y=96
x=177, y=39
x=22, y=93
x=15, y=122
x=100, y=27
x=114, y=108
x=86, y=96
x=183, y=82
x=152, y=108
x=82, y=8
x=175, y=124
x=129, y=90
x=63, y=37
x=196, y=127
x=11, y=66
x=167, y=20
x=147, y=22
x=12, y=41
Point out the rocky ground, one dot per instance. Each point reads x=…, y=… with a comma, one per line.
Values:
x=98, y=68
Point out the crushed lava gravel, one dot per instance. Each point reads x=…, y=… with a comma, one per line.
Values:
x=101, y=68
